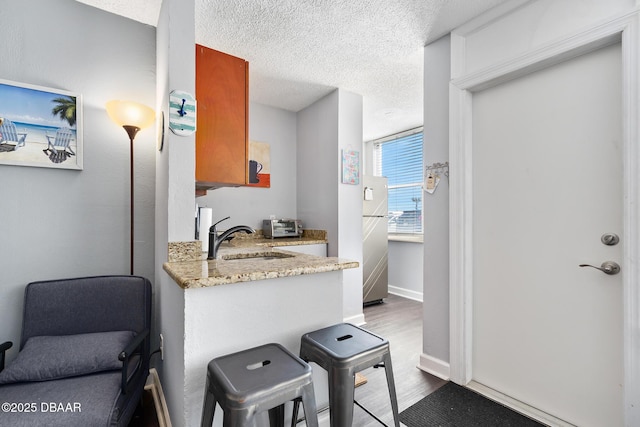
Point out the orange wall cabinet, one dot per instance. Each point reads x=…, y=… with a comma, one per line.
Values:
x=223, y=116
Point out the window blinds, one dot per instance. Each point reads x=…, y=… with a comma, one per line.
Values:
x=400, y=160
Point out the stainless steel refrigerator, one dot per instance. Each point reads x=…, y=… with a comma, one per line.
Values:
x=375, y=284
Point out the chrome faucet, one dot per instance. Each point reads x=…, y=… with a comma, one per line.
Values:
x=215, y=240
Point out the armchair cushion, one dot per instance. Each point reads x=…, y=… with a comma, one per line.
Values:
x=88, y=400
x=53, y=357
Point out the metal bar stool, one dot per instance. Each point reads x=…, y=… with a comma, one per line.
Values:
x=255, y=380
x=342, y=350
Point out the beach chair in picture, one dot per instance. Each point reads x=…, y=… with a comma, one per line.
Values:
x=9, y=135
x=60, y=142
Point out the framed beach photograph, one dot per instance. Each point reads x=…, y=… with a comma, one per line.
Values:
x=40, y=126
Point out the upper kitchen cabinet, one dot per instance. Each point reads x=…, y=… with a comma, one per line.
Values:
x=222, y=136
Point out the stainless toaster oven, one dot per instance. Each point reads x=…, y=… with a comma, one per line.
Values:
x=282, y=228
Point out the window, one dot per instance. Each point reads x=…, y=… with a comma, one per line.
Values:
x=399, y=158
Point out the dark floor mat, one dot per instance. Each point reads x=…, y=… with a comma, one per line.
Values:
x=456, y=406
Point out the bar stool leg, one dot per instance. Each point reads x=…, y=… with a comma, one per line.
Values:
x=228, y=419
x=209, y=407
x=294, y=416
x=276, y=416
x=392, y=388
x=309, y=403
x=239, y=418
x=341, y=393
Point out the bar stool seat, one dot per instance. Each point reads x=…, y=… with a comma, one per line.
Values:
x=256, y=380
x=342, y=350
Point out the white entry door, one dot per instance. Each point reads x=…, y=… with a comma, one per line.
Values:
x=547, y=185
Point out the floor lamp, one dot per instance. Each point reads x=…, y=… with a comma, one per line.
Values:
x=132, y=117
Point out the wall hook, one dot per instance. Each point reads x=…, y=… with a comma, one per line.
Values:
x=181, y=110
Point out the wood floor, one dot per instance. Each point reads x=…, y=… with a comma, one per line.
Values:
x=399, y=320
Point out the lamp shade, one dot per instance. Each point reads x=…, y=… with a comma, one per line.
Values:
x=128, y=113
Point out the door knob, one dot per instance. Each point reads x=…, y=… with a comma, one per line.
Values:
x=607, y=267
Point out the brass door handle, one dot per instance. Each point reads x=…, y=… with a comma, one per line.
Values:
x=607, y=267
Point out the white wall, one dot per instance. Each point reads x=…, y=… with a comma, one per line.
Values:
x=405, y=269
x=229, y=318
x=325, y=128
x=435, y=328
x=175, y=194
x=543, y=21
x=527, y=33
x=250, y=205
x=317, y=176
x=350, y=205
x=65, y=223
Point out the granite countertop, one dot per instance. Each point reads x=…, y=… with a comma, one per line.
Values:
x=247, y=259
x=309, y=237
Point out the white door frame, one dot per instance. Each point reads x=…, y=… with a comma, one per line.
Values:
x=625, y=30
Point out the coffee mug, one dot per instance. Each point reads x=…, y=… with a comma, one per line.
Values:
x=254, y=170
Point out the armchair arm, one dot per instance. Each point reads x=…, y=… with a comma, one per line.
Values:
x=3, y=348
x=126, y=354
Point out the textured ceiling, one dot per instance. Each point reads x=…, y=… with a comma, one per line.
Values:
x=301, y=50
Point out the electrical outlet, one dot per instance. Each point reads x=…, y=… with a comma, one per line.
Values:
x=161, y=347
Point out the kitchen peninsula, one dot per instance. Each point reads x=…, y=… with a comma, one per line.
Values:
x=248, y=259
x=254, y=293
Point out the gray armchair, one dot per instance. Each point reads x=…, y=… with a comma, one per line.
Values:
x=84, y=353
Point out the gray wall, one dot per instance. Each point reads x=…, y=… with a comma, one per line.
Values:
x=436, y=206
x=247, y=205
x=64, y=223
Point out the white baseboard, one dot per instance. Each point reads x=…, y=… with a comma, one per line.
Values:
x=406, y=293
x=357, y=320
x=153, y=385
x=436, y=367
x=518, y=406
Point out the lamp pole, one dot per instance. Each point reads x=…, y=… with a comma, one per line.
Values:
x=132, y=116
x=131, y=131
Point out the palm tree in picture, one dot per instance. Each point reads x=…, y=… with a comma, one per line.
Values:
x=65, y=108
